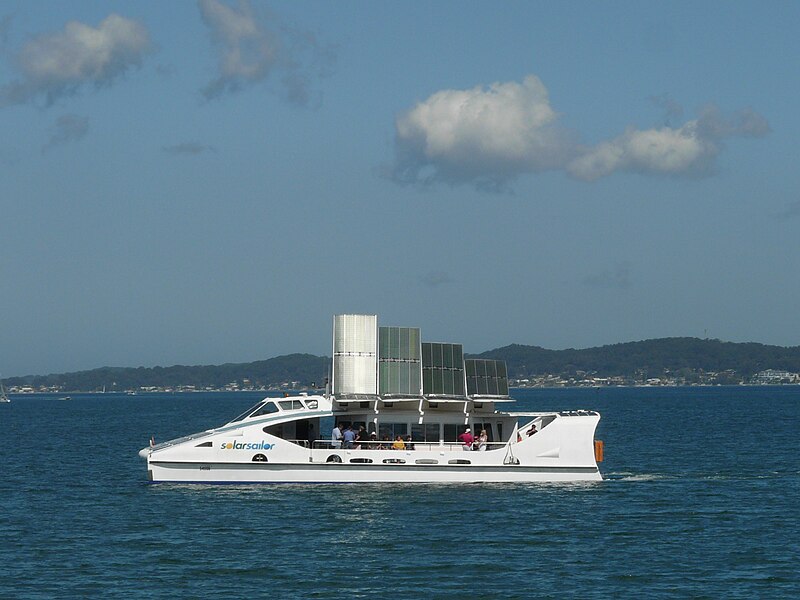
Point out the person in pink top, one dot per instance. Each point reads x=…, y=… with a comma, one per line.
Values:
x=466, y=439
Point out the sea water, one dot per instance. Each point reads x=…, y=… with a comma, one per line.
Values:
x=701, y=499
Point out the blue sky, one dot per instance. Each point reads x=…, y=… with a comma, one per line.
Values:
x=205, y=182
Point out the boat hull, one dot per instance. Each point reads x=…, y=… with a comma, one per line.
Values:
x=245, y=473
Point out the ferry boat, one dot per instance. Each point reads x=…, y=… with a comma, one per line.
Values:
x=396, y=409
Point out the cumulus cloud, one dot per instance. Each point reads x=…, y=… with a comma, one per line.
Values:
x=188, y=148
x=488, y=136
x=252, y=47
x=67, y=128
x=688, y=150
x=55, y=65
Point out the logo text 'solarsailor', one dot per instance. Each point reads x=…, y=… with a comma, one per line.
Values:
x=262, y=445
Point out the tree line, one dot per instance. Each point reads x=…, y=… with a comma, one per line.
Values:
x=649, y=358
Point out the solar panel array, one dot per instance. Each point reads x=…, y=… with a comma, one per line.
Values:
x=370, y=360
x=486, y=377
x=442, y=369
x=399, y=367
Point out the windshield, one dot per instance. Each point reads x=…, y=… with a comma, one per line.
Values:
x=247, y=412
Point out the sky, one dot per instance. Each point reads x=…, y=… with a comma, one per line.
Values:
x=208, y=182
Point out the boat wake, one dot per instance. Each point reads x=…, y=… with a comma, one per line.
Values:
x=627, y=476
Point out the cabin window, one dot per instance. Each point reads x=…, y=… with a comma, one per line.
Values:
x=276, y=430
x=290, y=404
x=245, y=413
x=267, y=409
x=426, y=461
x=204, y=445
x=312, y=404
x=459, y=461
x=452, y=431
x=426, y=432
x=361, y=460
x=392, y=430
x=394, y=461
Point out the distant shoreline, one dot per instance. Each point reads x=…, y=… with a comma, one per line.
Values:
x=319, y=391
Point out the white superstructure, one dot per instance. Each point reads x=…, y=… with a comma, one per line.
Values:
x=289, y=439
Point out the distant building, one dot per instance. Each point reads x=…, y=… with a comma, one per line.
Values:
x=774, y=377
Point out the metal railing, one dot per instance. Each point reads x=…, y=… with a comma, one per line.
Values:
x=389, y=445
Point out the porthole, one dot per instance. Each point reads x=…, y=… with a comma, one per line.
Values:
x=204, y=445
x=426, y=461
x=459, y=461
x=393, y=461
x=334, y=458
x=361, y=460
x=260, y=458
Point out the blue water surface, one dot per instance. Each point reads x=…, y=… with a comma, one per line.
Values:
x=701, y=499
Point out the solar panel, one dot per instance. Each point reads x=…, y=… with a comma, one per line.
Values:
x=486, y=377
x=442, y=369
x=399, y=364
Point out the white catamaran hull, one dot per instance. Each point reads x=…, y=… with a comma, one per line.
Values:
x=357, y=473
x=562, y=449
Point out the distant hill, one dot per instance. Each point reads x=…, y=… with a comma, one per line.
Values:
x=632, y=360
x=650, y=357
x=302, y=368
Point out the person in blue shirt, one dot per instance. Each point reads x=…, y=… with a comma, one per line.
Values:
x=349, y=437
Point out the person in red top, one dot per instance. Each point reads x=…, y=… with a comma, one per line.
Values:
x=466, y=439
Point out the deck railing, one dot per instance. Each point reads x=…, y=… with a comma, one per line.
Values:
x=388, y=445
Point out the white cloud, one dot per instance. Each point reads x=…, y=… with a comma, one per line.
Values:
x=688, y=150
x=59, y=64
x=251, y=48
x=666, y=151
x=488, y=136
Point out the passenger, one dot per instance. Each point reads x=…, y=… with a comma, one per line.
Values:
x=373, y=442
x=386, y=443
x=349, y=437
x=483, y=439
x=361, y=436
x=467, y=439
x=336, y=437
x=409, y=444
x=532, y=430
x=398, y=443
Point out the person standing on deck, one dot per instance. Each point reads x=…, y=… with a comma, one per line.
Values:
x=336, y=437
x=349, y=437
x=466, y=439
